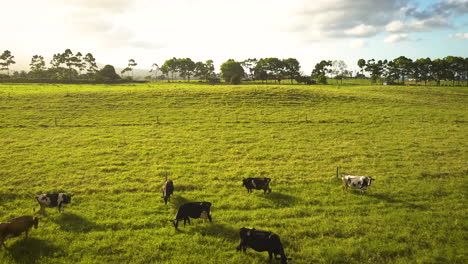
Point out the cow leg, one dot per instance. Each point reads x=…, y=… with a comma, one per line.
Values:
x=209, y=218
x=26, y=234
x=188, y=220
x=270, y=255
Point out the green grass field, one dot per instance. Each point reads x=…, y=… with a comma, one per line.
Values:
x=111, y=146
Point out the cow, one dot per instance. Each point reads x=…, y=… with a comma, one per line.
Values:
x=53, y=200
x=16, y=226
x=260, y=241
x=167, y=190
x=356, y=182
x=257, y=184
x=193, y=210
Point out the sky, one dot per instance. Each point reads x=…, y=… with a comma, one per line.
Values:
x=152, y=31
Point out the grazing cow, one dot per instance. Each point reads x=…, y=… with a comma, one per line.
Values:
x=257, y=184
x=16, y=226
x=53, y=200
x=193, y=210
x=167, y=190
x=356, y=182
x=261, y=241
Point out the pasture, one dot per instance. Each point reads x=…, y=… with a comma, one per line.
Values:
x=112, y=146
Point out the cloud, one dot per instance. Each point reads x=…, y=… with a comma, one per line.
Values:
x=417, y=25
x=459, y=36
x=108, y=6
x=394, y=38
x=361, y=31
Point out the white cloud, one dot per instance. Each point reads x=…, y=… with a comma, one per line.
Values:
x=459, y=36
x=361, y=31
x=417, y=25
x=394, y=38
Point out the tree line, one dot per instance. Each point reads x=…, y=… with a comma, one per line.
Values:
x=70, y=67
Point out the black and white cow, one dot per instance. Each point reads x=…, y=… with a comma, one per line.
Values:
x=260, y=241
x=167, y=190
x=356, y=182
x=193, y=210
x=257, y=184
x=53, y=200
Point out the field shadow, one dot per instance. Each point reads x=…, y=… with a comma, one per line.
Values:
x=74, y=223
x=281, y=199
x=31, y=250
x=178, y=200
x=218, y=231
x=389, y=199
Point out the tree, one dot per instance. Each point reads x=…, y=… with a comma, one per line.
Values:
x=404, y=66
x=339, y=69
x=186, y=67
x=126, y=69
x=37, y=64
x=292, y=68
x=171, y=66
x=108, y=74
x=78, y=62
x=6, y=59
x=155, y=68
x=321, y=68
x=204, y=70
x=376, y=69
x=361, y=63
x=438, y=70
x=250, y=64
x=91, y=64
x=232, y=71
x=422, y=70
x=131, y=63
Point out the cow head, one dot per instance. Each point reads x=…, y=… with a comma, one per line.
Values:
x=244, y=182
x=175, y=222
x=67, y=198
x=35, y=222
x=370, y=180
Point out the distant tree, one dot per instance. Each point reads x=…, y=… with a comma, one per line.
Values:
x=291, y=68
x=323, y=67
x=232, y=71
x=155, y=69
x=422, y=70
x=37, y=65
x=204, y=70
x=361, y=63
x=91, y=67
x=261, y=70
x=339, y=69
x=438, y=70
x=6, y=59
x=375, y=68
x=321, y=78
x=126, y=69
x=78, y=62
x=131, y=64
x=404, y=66
x=186, y=67
x=275, y=68
x=171, y=66
x=108, y=74
x=249, y=65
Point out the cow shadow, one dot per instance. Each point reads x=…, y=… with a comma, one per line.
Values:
x=217, y=230
x=74, y=223
x=178, y=200
x=31, y=250
x=281, y=199
x=389, y=199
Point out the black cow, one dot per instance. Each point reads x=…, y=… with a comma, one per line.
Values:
x=53, y=200
x=260, y=241
x=167, y=190
x=193, y=210
x=257, y=184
